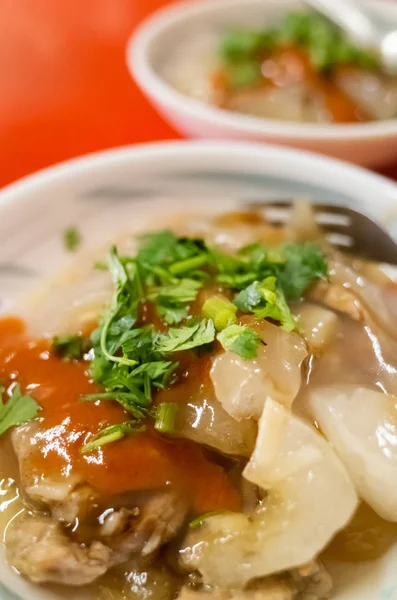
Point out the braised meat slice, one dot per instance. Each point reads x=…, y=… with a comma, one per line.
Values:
x=39, y=549
x=74, y=535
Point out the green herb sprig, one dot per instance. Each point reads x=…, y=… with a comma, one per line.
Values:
x=111, y=434
x=72, y=239
x=18, y=409
x=242, y=51
x=71, y=347
x=131, y=360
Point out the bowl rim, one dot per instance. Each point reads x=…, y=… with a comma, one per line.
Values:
x=350, y=174
x=161, y=92
x=31, y=186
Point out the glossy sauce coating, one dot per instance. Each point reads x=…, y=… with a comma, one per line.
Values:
x=144, y=461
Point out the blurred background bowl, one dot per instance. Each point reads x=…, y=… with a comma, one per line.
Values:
x=184, y=28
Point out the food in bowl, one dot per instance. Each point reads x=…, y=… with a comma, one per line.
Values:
x=213, y=412
x=302, y=69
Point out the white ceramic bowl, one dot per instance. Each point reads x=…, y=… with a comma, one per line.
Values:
x=178, y=30
x=107, y=192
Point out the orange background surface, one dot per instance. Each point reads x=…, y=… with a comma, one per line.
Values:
x=64, y=86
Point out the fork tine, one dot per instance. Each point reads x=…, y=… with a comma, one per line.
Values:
x=345, y=228
x=278, y=213
x=288, y=204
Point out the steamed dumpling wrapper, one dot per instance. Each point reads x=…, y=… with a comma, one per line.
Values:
x=202, y=419
x=304, y=480
x=242, y=386
x=361, y=424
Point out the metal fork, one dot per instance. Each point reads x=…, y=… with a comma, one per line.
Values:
x=347, y=229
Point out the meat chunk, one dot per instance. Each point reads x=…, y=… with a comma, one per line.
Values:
x=161, y=519
x=41, y=547
x=37, y=488
x=313, y=581
x=47, y=545
x=154, y=521
x=38, y=548
x=77, y=504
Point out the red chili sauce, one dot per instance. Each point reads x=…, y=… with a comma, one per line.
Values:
x=147, y=460
x=289, y=65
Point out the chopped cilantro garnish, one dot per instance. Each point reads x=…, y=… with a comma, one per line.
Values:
x=251, y=297
x=199, y=521
x=239, y=44
x=220, y=310
x=189, y=264
x=240, y=339
x=304, y=262
x=71, y=239
x=131, y=360
x=194, y=334
x=18, y=409
x=71, y=347
x=124, y=306
x=133, y=401
x=111, y=434
x=244, y=73
x=266, y=300
x=164, y=248
x=172, y=300
x=166, y=414
x=242, y=51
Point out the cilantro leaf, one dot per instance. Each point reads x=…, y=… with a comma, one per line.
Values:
x=158, y=371
x=18, y=409
x=239, y=44
x=240, y=339
x=266, y=300
x=71, y=347
x=71, y=239
x=251, y=262
x=157, y=248
x=131, y=361
x=304, y=263
x=164, y=248
x=326, y=45
x=193, y=335
x=172, y=300
x=244, y=73
x=249, y=298
x=124, y=305
x=172, y=314
x=133, y=402
x=185, y=290
x=278, y=310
